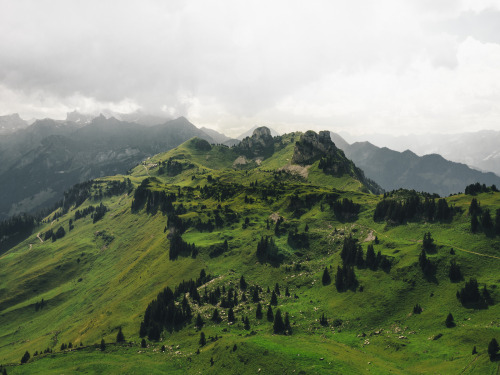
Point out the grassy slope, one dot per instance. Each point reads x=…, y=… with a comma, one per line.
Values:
x=119, y=279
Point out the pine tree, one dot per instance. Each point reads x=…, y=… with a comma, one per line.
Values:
x=215, y=316
x=277, y=289
x=287, y=292
x=278, y=326
x=26, y=357
x=199, y=322
x=103, y=345
x=450, y=322
x=493, y=349
x=474, y=350
x=120, y=337
x=326, y=279
x=270, y=315
x=258, y=311
x=230, y=315
x=255, y=295
x=274, y=299
x=288, y=327
x=202, y=341
x=243, y=283
x=143, y=343
x=247, y=324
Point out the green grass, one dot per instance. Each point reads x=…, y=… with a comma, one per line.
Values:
x=94, y=284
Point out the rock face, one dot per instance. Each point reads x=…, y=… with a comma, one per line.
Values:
x=261, y=143
x=312, y=146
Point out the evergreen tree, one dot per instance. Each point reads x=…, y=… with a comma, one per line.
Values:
x=103, y=345
x=230, y=315
x=26, y=357
x=278, y=326
x=247, y=324
x=120, y=337
x=474, y=350
x=255, y=295
x=486, y=221
x=326, y=279
x=288, y=327
x=370, y=257
x=497, y=221
x=323, y=320
x=143, y=343
x=428, y=242
x=270, y=315
x=474, y=224
x=417, y=309
x=493, y=349
x=202, y=341
x=450, y=322
x=199, y=322
x=277, y=289
x=243, y=283
x=454, y=273
x=215, y=316
x=258, y=311
x=274, y=299
x=287, y=292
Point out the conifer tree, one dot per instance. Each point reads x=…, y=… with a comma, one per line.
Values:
x=103, y=345
x=326, y=279
x=278, y=326
x=287, y=292
x=230, y=315
x=215, y=316
x=199, y=322
x=270, y=315
x=243, y=283
x=202, y=341
x=450, y=322
x=120, y=337
x=247, y=324
x=274, y=299
x=255, y=295
x=493, y=349
x=288, y=327
x=26, y=357
x=258, y=311
x=143, y=343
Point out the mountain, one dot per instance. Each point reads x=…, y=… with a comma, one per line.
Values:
x=11, y=123
x=431, y=173
x=479, y=150
x=249, y=133
x=221, y=260
x=43, y=160
x=216, y=136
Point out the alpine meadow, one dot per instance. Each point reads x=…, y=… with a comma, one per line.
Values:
x=276, y=255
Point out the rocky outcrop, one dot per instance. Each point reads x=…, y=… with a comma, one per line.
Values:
x=313, y=146
x=261, y=144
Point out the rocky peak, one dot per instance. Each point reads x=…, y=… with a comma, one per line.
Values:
x=313, y=146
x=261, y=143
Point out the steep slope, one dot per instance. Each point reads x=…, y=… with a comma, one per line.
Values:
x=431, y=173
x=45, y=159
x=11, y=123
x=270, y=226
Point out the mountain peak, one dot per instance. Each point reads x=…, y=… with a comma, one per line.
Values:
x=312, y=146
x=261, y=143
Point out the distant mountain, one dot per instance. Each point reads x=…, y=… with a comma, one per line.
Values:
x=216, y=136
x=44, y=159
x=249, y=133
x=476, y=149
x=430, y=173
x=11, y=123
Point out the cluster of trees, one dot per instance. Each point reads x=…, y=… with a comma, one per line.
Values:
x=153, y=199
x=352, y=255
x=346, y=209
x=470, y=296
x=413, y=208
x=99, y=213
x=298, y=240
x=170, y=167
x=80, y=214
x=76, y=195
x=267, y=251
x=163, y=312
x=54, y=236
x=220, y=191
x=330, y=165
x=40, y=305
x=481, y=219
x=477, y=188
x=17, y=225
x=179, y=247
x=299, y=205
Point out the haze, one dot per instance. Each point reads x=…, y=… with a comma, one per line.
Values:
x=359, y=67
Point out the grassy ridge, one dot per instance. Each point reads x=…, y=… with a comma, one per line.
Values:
x=101, y=276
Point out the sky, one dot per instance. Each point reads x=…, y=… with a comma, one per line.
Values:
x=358, y=67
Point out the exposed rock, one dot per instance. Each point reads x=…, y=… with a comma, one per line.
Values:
x=261, y=144
x=313, y=146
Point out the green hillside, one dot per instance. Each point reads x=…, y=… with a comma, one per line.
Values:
x=132, y=236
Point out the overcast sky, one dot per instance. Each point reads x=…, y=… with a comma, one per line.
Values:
x=385, y=66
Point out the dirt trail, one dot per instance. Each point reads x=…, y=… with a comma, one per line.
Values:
x=40, y=238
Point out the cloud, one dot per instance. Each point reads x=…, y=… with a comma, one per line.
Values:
x=233, y=64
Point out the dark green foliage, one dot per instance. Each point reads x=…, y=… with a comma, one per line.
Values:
x=246, y=324
x=258, y=311
x=203, y=340
x=16, y=227
x=199, y=322
x=102, y=346
x=449, y=322
x=144, y=343
x=278, y=325
x=120, y=337
x=486, y=221
x=215, y=316
x=345, y=278
x=371, y=260
x=230, y=315
x=40, y=305
x=99, y=213
x=298, y=240
x=326, y=278
x=475, y=207
x=428, y=268
x=274, y=299
x=477, y=188
x=493, y=348
x=277, y=289
x=454, y=273
x=26, y=357
x=243, y=283
x=474, y=350
x=255, y=294
x=346, y=209
x=323, y=320
x=270, y=314
x=474, y=224
x=428, y=243
x=417, y=309
x=287, y=292
x=179, y=247
x=288, y=327
x=470, y=296
x=497, y=221
x=413, y=208
x=267, y=251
